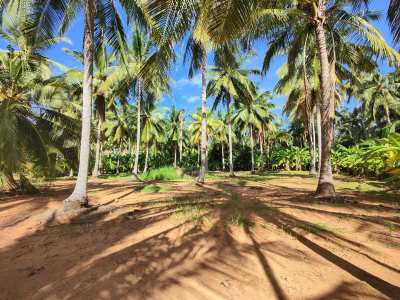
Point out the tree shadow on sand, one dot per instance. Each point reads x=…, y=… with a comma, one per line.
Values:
x=135, y=249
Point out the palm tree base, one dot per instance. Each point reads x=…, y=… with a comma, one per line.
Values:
x=75, y=202
x=199, y=180
x=135, y=175
x=325, y=190
x=95, y=174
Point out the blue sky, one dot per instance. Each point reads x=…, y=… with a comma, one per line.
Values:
x=185, y=93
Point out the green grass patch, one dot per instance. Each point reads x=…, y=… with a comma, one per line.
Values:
x=165, y=173
x=236, y=211
x=317, y=228
x=116, y=176
x=189, y=208
x=391, y=227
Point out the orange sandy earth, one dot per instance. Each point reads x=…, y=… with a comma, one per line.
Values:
x=134, y=245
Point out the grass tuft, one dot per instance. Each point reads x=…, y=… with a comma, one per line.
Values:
x=239, y=219
x=316, y=228
x=191, y=209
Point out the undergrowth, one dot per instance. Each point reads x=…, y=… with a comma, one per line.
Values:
x=164, y=173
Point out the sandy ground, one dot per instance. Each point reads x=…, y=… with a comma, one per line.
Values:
x=229, y=239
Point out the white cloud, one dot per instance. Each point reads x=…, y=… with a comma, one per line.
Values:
x=195, y=81
x=193, y=99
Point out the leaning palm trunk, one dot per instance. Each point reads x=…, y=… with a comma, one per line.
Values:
x=252, y=148
x=78, y=197
x=325, y=183
x=138, y=96
x=203, y=139
x=229, y=121
x=96, y=169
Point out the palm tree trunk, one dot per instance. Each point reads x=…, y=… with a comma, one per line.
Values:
x=252, y=148
x=12, y=184
x=146, y=159
x=100, y=159
x=175, y=150
x=71, y=173
x=229, y=121
x=312, y=143
x=387, y=112
x=138, y=100
x=207, y=156
x=223, y=156
x=78, y=197
x=203, y=165
x=198, y=154
x=181, y=137
x=119, y=156
x=319, y=133
x=95, y=172
x=132, y=160
x=326, y=186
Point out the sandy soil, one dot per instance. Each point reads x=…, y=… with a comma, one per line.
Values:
x=229, y=239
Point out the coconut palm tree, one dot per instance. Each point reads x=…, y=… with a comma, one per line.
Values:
x=171, y=22
x=128, y=77
x=196, y=49
x=27, y=90
x=252, y=115
x=221, y=135
x=153, y=129
x=102, y=66
x=52, y=16
x=328, y=23
x=195, y=128
x=229, y=84
x=379, y=91
x=18, y=119
x=117, y=130
x=174, y=130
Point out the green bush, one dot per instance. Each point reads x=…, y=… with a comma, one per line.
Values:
x=164, y=173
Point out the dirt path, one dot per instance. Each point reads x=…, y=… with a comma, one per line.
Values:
x=223, y=240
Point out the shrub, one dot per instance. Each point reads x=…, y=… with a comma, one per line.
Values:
x=164, y=173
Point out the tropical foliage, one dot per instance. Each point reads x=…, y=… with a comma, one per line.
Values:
x=331, y=50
